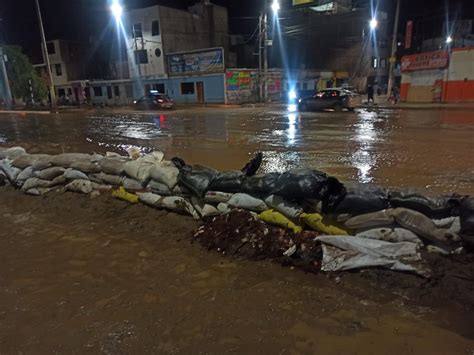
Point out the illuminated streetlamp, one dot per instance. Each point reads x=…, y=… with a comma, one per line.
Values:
x=373, y=24
x=116, y=9
x=276, y=6
x=449, y=40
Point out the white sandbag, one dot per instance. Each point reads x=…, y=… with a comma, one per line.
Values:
x=9, y=171
x=217, y=197
x=87, y=166
x=114, y=180
x=166, y=173
x=223, y=208
x=138, y=170
x=50, y=173
x=72, y=174
x=247, y=202
x=159, y=188
x=113, y=155
x=25, y=174
x=204, y=209
x=347, y=253
x=172, y=203
x=66, y=159
x=35, y=182
x=286, y=208
x=392, y=235
x=81, y=186
x=12, y=153
x=452, y=224
x=152, y=158
x=113, y=166
x=371, y=220
x=134, y=153
x=423, y=226
x=33, y=192
x=101, y=187
x=132, y=185
x=27, y=160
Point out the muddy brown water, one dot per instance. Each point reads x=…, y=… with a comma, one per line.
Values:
x=431, y=149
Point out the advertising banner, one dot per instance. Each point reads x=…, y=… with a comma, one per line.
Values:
x=206, y=61
x=428, y=60
x=409, y=34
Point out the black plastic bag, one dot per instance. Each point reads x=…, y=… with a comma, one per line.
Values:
x=467, y=222
x=231, y=181
x=436, y=208
x=360, y=199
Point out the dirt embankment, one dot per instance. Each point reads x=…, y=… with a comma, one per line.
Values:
x=99, y=275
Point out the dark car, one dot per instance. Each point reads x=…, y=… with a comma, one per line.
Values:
x=336, y=99
x=154, y=101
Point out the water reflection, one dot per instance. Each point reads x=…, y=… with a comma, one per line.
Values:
x=364, y=158
x=291, y=133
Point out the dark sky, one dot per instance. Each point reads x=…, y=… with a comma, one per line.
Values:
x=80, y=19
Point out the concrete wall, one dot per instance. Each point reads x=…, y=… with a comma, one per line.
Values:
x=71, y=57
x=459, y=86
x=125, y=96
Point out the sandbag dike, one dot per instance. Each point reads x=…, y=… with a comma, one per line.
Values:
x=303, y=218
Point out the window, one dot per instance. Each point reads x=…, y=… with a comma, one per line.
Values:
x=141, y=56
x=51, y=48
x=61, y=93
x=187, y=88
x=117, y=91
x=137, y=30
x=109, y=92
x=97, y=90
x=158, y=52
x=155, y=28
x=59, y=69
x=375, y=63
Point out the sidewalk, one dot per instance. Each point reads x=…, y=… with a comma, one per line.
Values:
x=381, y=102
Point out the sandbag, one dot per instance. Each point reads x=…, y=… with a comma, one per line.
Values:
x=25, y=174
x=81, y=186
x=288, y=209
x=34, y=182
x=172, y=203
x=247, y=202
x=66, y=159
x=423, y=226
x=113, y=166
x=50, y=173
x=3, y=179
x=159, y=188
x=42, y=162
x=371, y=220
x=86, y=166
x=138, y=170
x=348, y=252
x=393, y=235
x=165, y=173
x=71, y=174
x=216, y=197
x=152, y=158
x=12, y=153
x=122, y=194
x=203, y=209
x=27, y=160
x=278, y=219
x=440, y=207
x=132, y=185
x=114, y=180
x=134, y=153
x=315, y=222
x=223, y=208
x=360, y=199
x=10, y=172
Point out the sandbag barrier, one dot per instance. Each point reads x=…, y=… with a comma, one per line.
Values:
x=354, y=226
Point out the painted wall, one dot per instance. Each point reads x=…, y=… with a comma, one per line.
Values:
x=125, y=96
x=459, y=86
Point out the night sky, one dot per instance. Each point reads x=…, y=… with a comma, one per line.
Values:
x=83, y=19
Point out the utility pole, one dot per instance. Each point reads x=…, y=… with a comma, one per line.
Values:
x=265, y=53
x=45, y=50
x=391, y=74
x=260, y=86
x=5, y=79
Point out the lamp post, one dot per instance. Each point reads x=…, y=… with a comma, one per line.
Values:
x=45, y=50
x=264, y=19
x=391, y=74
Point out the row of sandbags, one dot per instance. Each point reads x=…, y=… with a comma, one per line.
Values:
x=365, y=214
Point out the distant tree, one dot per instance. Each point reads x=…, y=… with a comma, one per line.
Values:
x=20, y=72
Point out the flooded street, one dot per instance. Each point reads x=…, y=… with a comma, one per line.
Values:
x=393, y=148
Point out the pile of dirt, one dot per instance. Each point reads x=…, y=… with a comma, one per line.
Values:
x=241, y=233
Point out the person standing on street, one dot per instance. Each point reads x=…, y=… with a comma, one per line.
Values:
x=370, y=93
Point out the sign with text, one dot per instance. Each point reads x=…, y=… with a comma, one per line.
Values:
x=409, y=34
x=428, y=60
x=205, y=61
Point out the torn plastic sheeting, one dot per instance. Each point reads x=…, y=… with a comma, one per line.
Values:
x=347, y=252
x=229, y=181
x=217, y=197
x=371, y=220
x=286, y=208
x=197, y=181
x=393, y=235
x=247, y=202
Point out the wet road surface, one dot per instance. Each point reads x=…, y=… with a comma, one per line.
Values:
x=393, y=148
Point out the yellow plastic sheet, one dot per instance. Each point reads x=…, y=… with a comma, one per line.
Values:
x=315, y=222
x=122, y=194
x=277, y=219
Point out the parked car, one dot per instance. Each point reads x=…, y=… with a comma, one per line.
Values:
x=336, y=99
x=154, y=101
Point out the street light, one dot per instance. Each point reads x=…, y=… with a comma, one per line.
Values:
x=276, y=6
x=373, y=24
x=449, y=40
x=116, y=9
